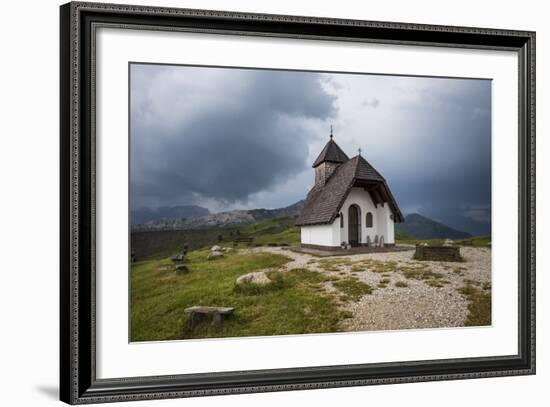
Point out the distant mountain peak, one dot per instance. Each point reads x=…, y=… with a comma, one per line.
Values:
x=421, y=227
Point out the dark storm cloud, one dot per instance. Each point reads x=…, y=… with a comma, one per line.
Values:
x=453, y=166
x=230, y=138
x=218, y=134
x=443, y=166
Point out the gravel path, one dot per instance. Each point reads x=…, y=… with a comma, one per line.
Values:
x=429, y=303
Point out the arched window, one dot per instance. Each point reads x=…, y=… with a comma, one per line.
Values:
x=341, y=220
x=368, y=221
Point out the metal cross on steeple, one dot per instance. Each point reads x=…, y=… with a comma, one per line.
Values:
x=331, y=131
x=359, y=149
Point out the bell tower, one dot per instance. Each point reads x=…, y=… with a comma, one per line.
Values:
x=328, y=161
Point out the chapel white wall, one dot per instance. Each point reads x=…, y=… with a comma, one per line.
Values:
x=322, y=235
x=382, y=223
x=334, y=235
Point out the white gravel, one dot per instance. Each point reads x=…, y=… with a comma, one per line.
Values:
x=418, y=305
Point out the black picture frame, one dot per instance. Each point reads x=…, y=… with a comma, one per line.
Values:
x=78, y=382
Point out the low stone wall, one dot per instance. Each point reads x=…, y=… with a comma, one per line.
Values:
x=438, y=253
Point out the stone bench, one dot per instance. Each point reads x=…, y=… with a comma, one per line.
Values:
x=178, y=258
x=437, y=253
x=198, y=313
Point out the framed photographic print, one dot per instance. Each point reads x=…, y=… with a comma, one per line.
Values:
x=256, y=203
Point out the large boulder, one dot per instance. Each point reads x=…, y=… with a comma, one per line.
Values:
x=216, y=248
x=214, y=255
x=256, y=278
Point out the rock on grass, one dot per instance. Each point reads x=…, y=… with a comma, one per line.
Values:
x=258, y=278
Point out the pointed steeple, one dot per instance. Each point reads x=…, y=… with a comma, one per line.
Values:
x=331, y=153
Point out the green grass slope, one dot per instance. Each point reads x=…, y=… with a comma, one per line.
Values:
x=296, y=305
x=159, y=244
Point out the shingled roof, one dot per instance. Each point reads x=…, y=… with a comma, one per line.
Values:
x=324, y=203
x=331, y=153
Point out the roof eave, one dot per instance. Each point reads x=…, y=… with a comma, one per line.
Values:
x=313, y=224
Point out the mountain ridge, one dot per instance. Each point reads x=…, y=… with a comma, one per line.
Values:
x=221, y=219
x=144, y=215
x=421, y=227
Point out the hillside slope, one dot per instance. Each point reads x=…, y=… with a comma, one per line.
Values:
x=162, y=243
x=420, y=227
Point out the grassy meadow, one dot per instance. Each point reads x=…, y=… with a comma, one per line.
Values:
x=481, y=241
x=275, y=232
x=293, y=304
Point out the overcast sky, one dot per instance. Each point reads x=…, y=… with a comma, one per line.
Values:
x=235, y=138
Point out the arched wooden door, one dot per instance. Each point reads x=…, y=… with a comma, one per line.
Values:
x=354, y=225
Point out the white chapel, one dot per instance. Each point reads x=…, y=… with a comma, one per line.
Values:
x=349, y=204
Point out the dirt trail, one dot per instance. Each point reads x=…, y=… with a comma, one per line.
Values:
x=298, y=260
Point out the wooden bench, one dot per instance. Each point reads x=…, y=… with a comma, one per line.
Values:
x=198, y=313
x=247, y=240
